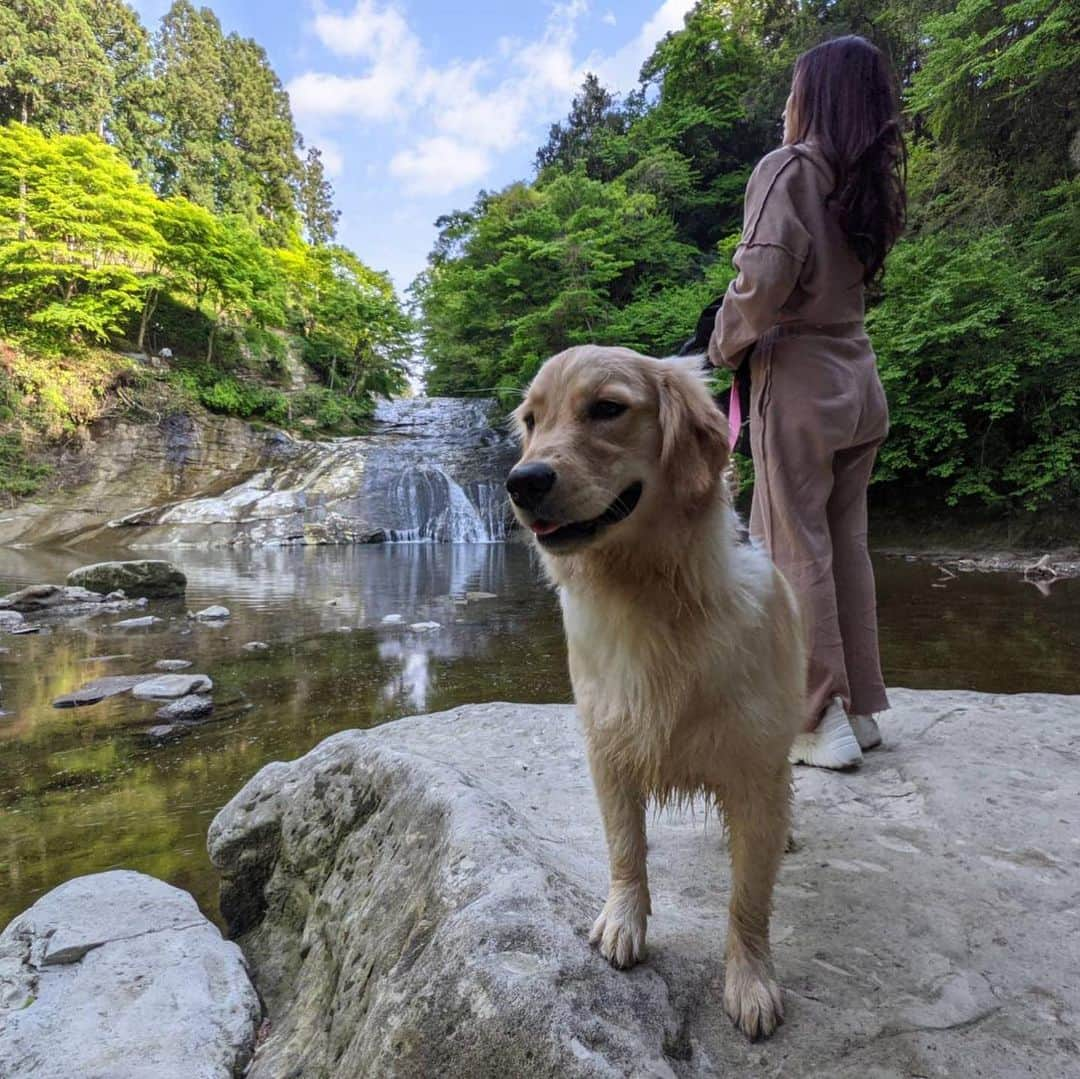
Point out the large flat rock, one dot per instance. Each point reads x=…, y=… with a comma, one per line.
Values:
x=143, y=577
x=415, y=900
x=119, y=976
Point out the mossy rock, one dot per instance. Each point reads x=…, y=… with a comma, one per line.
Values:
x=146, y=577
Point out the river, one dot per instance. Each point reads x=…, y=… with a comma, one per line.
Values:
x=82, y=790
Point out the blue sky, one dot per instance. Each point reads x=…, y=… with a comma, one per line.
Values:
x=418, y=104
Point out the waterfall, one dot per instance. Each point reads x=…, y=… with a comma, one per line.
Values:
x=431, y=470
x=440, y=470
x=438, y=509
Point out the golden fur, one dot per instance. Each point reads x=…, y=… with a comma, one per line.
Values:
x=686, y=651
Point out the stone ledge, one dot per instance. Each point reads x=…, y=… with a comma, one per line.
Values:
x=415, y=901
x=119, y=976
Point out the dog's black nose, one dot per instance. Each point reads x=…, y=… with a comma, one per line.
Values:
x=529, y=483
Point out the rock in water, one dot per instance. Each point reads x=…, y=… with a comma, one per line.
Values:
x=214, y=613
x=167, y=686
x=47, y=597
x=185, y=709
x=137, y=623
x=146, y=577
x=99, y=689
x=10, y=619
x=173, y=664
x=415, y=903
x=118, y=974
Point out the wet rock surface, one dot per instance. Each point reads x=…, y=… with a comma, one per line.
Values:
x=162, y=687
x=38, y=605
x=144, y=622
x=431, y=468
x=185, y=709
x=145, y=577
x=213, y=613
x=99, y=689
x=172, y=664
x=119, y=974
x=415, y=900
x=125, y=466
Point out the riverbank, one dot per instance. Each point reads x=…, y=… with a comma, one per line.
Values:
x=415, y=901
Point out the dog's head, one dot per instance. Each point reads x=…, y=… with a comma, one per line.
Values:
x=614, y=443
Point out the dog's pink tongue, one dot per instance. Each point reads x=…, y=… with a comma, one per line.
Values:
x=543, y=528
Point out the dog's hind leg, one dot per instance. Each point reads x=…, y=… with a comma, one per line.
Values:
x=619, y=931
x=758, y=819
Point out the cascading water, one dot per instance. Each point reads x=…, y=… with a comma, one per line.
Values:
x=437, y=471
x=431, y=471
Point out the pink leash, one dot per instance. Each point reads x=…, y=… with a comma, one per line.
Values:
x=734, y=414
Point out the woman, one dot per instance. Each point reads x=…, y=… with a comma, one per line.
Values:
x=821, y=214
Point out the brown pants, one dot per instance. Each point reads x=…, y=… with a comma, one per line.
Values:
x=818, y=415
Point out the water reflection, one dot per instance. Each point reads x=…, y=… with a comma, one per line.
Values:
x=84, y=790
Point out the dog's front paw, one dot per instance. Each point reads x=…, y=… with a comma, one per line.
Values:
x=752, y=998
x=620, y=930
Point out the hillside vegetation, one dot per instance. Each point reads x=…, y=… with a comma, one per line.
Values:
x=627, y=229
x=156, y=199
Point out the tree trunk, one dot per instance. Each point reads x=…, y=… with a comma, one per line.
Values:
x=210, y=343
x=351, y=391
x=22, y=176
x=147, y=314
x=333, y=370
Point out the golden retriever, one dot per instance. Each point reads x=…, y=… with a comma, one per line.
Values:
x=686, y=649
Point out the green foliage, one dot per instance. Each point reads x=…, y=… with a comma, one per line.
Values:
x=199, y=113
x=75, y=226
x=542, y=268
x=981, y=373
x=89, y=254
x=627, y=230
x=53, y=72
x=19, y=474
x=227, y=142
x=231, y=395
x=355, y=334
x=316, y=198
x=331, y=411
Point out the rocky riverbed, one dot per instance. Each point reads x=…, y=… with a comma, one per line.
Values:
x=430, y=469
x=415, y=901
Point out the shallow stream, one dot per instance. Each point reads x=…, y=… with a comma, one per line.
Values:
x=82, y=790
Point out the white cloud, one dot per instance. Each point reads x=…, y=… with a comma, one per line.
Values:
x=368, y=97
x=621, y=69
x=332, y=158
x=368, y=31
x=609, y=18
x=439, y=165
x=462, y=112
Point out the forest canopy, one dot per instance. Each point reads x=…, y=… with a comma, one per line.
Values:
x=627, y=228
x=156, y=195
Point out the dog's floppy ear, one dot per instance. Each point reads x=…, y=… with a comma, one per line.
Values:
x=694, y=437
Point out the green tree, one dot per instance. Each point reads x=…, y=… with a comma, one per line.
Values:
x=257, y=133
x=315, y=195
x=190, y=103
x=357, y=335
x=53, y=73
x=227, y=136
x=76, y=233
x=126, y=121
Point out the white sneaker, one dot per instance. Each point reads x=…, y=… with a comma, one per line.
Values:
x=832, y=745
x=866, y=731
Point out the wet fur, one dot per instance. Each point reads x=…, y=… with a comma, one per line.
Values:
x=686, y=652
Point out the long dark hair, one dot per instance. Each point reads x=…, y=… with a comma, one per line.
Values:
x=843, y=99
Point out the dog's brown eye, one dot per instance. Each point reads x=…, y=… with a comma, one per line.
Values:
x=606, y=410
x=529, y=420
